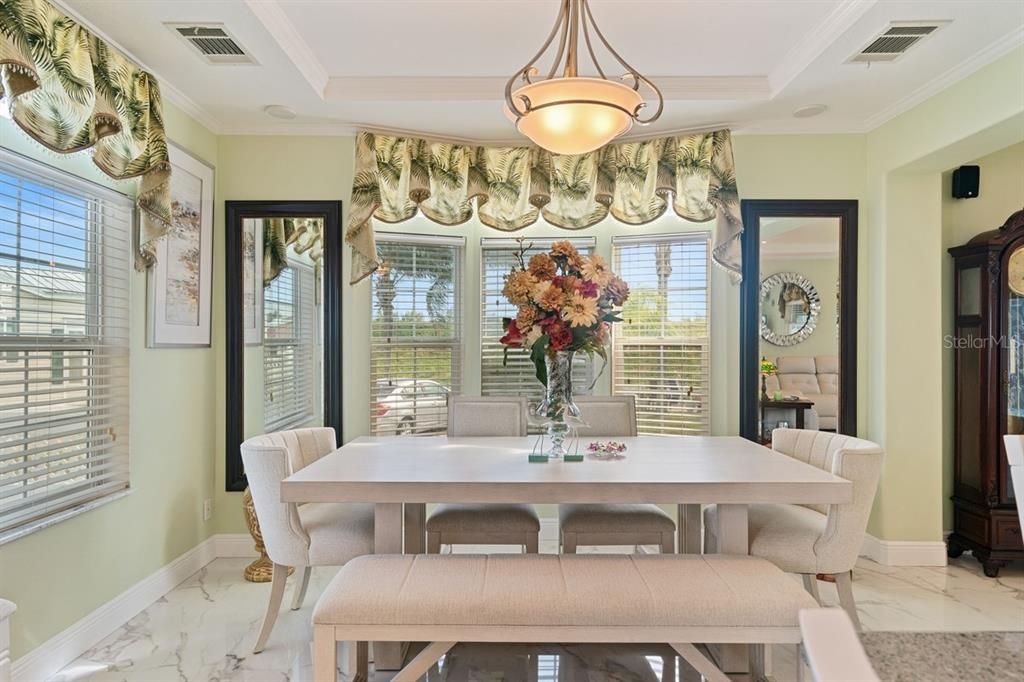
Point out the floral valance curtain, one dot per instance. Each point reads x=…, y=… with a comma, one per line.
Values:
x=70, y=91
x=280, y=233
x=509, y=188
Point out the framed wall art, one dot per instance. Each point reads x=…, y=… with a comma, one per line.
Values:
x=180, y=283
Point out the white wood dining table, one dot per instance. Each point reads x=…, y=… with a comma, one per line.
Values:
x=401, y=475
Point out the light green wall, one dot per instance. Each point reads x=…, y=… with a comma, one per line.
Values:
x=59, y=574
x=823, y=273
x=1002, y=193
x=905, y=161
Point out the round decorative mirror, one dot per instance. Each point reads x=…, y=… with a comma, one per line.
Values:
x=789, y=306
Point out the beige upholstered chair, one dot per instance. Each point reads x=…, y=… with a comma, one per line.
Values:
x=816, y=539
x=484, y=524
x=306, y=535
x=1015, y=455
x=612, y=524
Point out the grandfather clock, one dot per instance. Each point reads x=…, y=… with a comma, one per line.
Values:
x=988, y=346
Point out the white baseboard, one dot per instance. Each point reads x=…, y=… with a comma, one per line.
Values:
x=55, y=653
x=234, y=546
x=904, y=552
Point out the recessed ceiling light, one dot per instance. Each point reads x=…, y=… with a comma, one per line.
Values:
x=809, y=111
x=279, y=111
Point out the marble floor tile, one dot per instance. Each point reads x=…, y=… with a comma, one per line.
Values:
x=204, y=630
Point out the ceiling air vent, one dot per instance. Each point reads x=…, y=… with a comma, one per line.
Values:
x=894, y=42
x=213, y=42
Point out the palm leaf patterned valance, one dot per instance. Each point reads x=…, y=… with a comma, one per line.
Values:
x=509, y=188
x=304, y=235
x=70, y=91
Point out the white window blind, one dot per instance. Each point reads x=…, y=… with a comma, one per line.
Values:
x=415, y=333
x=660, y=350
x=517, y=377
x=291, y=357
x=64, y=304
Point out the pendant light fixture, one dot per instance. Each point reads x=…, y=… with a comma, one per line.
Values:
x=569, y=113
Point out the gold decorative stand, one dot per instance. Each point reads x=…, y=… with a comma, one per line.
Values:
x=261, y=570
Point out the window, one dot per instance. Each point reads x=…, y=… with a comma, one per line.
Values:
x=416, y=333
x=660, y=350
x=517, y=376
x=64, y=300
x=291, y=349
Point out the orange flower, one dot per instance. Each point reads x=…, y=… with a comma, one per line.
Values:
x=518, y=285
x=526, y=317
x=565, y=249
x=542, y=266
x=581, y=311
x=596, y=269
x=548, y=296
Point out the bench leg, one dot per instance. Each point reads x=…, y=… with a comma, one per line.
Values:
x=699, y=661
x=423, y=662
x=325, y=654
x=758, y=662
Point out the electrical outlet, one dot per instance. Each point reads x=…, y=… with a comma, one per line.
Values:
x=207, y=510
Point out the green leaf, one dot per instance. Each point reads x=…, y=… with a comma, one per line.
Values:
x=537, y=355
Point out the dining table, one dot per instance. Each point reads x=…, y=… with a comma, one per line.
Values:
x=400, y=475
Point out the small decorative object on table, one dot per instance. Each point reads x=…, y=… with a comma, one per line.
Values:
x=767, y=369
x=607, y=450
x=566, y=303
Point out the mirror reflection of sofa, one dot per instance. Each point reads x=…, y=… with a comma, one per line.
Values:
x=814, y=378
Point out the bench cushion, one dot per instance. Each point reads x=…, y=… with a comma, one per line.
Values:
x=675, y=590
x=614, y=518
x=484, y=518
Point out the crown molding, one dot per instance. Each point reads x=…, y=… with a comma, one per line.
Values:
x=284, y=33
x=992, y=52
x=492, y=88
x=810, y=47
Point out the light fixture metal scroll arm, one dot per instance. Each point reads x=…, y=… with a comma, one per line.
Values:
x=560, y=23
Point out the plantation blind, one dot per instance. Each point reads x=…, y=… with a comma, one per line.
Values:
x=415, y=333
x=517, y=377
x=291, y=358
x=65, y=254
x=660, y=350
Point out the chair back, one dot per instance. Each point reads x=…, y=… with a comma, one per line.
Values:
x=491, y=416
x=607, y=416
x=268, y=460
x=1015, y=455
x=858, y=461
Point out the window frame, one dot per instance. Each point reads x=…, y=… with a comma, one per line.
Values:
x=100, y=203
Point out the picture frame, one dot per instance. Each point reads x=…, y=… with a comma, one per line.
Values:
x=180, y=283
x=252, y=281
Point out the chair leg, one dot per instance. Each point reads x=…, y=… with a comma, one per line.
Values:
x=300, y=588
x=273, y=606
x=568, y=543
x=811, y=585
x=668, y=543
x=325, y=654
x=532, y=543
x=844, y=585
x=433, y=543
x=758, y=667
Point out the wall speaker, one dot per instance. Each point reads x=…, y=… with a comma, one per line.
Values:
x=965, y=182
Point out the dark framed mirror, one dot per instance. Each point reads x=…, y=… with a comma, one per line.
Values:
x=282, y=319
x=798, y=317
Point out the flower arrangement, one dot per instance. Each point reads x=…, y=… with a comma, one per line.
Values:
x=768, y=368
x=566, y=302
x=606, y=449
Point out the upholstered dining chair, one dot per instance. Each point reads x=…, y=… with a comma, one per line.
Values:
x=612, y=524
x=299, y=535
x=1015, y=455
x=484, y=524
x=815, y=539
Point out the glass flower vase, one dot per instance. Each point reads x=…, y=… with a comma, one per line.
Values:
x=558, y=408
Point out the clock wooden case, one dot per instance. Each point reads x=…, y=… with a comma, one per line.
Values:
x=988, y=347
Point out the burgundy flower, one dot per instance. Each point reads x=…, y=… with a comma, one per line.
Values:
x=513, y=338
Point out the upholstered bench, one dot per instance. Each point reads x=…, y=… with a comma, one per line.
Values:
x=676, y=599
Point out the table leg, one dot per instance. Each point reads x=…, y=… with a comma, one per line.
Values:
x=689, y=525
x=800, y=418
x=733, y=538
x=387, y=539
x=415, y=528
